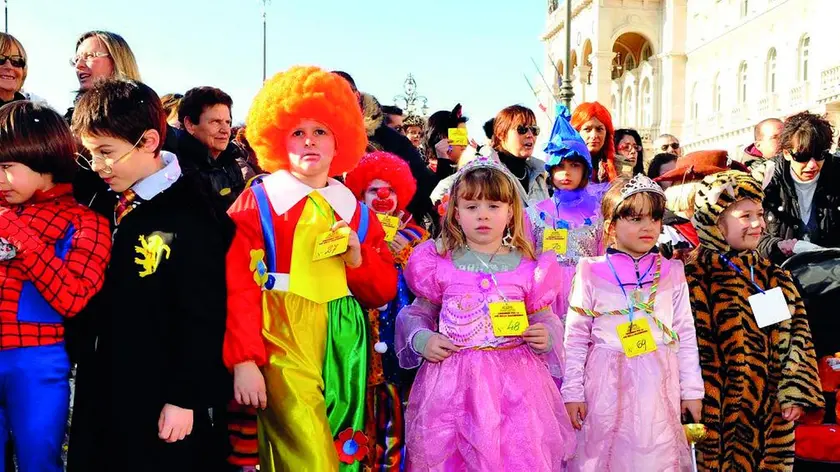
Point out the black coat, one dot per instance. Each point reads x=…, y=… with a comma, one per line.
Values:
x=781, y=209
x=224, y=175
x=159, y=340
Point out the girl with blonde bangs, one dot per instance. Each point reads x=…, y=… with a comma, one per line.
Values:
x=485, y=336
x=485, y=184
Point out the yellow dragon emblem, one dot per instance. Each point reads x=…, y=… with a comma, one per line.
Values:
x=153, y=250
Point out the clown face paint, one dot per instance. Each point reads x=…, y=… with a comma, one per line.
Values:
x=381, y=197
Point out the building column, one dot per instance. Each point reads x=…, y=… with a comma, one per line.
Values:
x=602, y=75
x=672, y=62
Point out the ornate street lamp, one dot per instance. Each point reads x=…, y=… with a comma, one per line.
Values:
x=413, y=104
x=264, y=3
x=566, y=90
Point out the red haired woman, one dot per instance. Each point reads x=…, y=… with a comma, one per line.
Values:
x=594, y=123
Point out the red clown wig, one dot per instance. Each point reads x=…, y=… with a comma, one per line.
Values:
x=386, y=167
x=585, y=112
x=305, y=93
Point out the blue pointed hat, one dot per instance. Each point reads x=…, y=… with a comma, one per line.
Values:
x=565, y=142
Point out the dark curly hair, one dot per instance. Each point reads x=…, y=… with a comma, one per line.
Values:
x=811, y=133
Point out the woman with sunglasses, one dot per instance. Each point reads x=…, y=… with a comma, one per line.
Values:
x=12, y=69
x=629, y=154
x=802, y=198
x=515, y=134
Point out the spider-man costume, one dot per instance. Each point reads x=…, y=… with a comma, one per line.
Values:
x=61, y=251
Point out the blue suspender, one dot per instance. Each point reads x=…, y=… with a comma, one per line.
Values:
x=267, y=224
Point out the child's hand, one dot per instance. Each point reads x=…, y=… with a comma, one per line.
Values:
x=175, y=423
x=438, y=348
x=398, y=244
x=792, y=413
x=353, y=256
x=694, y=407
x=537, y=337
x=577, y=413
x=249, y=385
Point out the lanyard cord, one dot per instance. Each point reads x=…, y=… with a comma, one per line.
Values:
x=741, y=272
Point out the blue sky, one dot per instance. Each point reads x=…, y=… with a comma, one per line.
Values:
x=468, y=51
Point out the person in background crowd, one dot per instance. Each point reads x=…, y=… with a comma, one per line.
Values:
x=205, y=147
x=767, y=143
x=660, y=164
x=802, y=198
x=144, y=390
x=667, y=143
x=515, y=134
x=678, y=236
x=394, y=118
x=383, y=138
x=101, y=54
x=171, y=104
x=441, y=155
x=758, y=156
x=13, y=69
x=383, y=182
x=594, y=123
x=759, y=366
x=413, y=128
x=53, y=259
x=629, y=153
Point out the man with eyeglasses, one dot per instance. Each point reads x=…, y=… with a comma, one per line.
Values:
x=667, y=144
x=802, y=198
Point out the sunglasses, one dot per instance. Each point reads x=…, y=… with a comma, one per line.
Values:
x=803, y=157
x=523, y=130
x=16, y=61
x=630, y=147
x=673, y=146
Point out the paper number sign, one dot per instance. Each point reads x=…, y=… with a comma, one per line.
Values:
x=458, y=137
x=636, y=338
x=555, y=240
x=390, y=224
x=509, y=318
x=769, y=307
x=331, y=243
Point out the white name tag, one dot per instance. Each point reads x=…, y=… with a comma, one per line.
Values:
x=769, y=307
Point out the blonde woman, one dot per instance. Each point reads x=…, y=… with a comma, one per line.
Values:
x=101, y=54
x=12, y=69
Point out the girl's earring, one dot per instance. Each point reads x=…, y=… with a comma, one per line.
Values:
x=507, y=240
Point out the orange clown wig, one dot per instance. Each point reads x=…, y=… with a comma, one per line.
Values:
x=388, y=168
x=585, y=112
x=298, y=94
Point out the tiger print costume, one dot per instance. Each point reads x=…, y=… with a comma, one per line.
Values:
x=750, y=373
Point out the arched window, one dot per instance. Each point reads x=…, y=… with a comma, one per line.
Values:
x=628, y=118
x=613, y=105
x=804, y=50
x=647, y=51
x=716, y=93
x=742, y=83
x=647, y=104
x=770, y=73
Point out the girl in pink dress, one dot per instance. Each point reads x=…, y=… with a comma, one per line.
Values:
x=632, y=365
x=485, y=398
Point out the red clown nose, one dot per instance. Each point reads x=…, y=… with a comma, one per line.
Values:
x=383, y=192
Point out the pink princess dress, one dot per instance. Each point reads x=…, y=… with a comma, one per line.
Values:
x=632, y=404
x=493, y=405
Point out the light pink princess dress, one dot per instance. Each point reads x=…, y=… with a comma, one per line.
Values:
x=632, y=404
x=493, y=405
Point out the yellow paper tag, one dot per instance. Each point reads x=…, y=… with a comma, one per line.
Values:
x=636, y=338
x=555, y=240
x=458, y=137
x=224, y=192
x=390, y=224
x=331, y=243
x=509, y=318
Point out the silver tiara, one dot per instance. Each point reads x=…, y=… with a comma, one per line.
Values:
x=638, y=184
x=488, y=163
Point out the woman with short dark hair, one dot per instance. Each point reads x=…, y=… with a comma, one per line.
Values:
x=629, y=153
x=515, y=134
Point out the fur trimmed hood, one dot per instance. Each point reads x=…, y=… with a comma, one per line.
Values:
x=372, y=111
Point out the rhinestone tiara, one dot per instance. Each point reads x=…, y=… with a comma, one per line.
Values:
x=638, y=184
x=488, y=163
